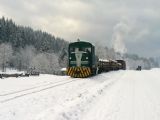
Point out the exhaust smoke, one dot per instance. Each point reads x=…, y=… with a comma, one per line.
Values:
x=120, y=31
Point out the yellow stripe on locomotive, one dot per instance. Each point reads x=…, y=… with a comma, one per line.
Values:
x=79, y=72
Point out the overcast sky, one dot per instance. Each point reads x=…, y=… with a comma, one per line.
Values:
x=127, y=25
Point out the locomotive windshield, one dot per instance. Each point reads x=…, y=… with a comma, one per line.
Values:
x=72, y=49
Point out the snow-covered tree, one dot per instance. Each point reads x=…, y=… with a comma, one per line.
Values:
x=23, y=57
x=28, y=54
x=46, y=63
x=5, y=55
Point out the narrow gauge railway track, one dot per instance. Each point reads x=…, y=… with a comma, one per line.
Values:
x=27, y=89
x=18, y=94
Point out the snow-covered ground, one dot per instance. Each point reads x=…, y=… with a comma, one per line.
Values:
x=120, y=95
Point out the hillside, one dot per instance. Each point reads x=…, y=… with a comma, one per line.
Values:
x=20, y=37
x=26, y=48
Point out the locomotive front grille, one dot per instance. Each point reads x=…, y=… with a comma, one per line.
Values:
x=79, y=72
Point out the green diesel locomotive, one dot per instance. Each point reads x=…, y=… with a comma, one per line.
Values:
x=82, y=61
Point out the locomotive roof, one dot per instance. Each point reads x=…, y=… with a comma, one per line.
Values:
x=81, y=43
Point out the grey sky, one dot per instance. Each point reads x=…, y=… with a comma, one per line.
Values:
x=134, y=23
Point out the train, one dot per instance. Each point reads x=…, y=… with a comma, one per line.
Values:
x=83, y=62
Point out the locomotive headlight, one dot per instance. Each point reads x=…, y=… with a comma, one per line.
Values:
x=86, y=58
x=70, y=58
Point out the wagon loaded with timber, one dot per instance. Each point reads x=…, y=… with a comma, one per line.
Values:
x=82, y=61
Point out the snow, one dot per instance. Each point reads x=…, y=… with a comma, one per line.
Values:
x=11, y=71
x=119, y=95
x=63, y=69
x=103, y=60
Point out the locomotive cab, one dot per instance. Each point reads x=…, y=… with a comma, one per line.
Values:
x=80, y=59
